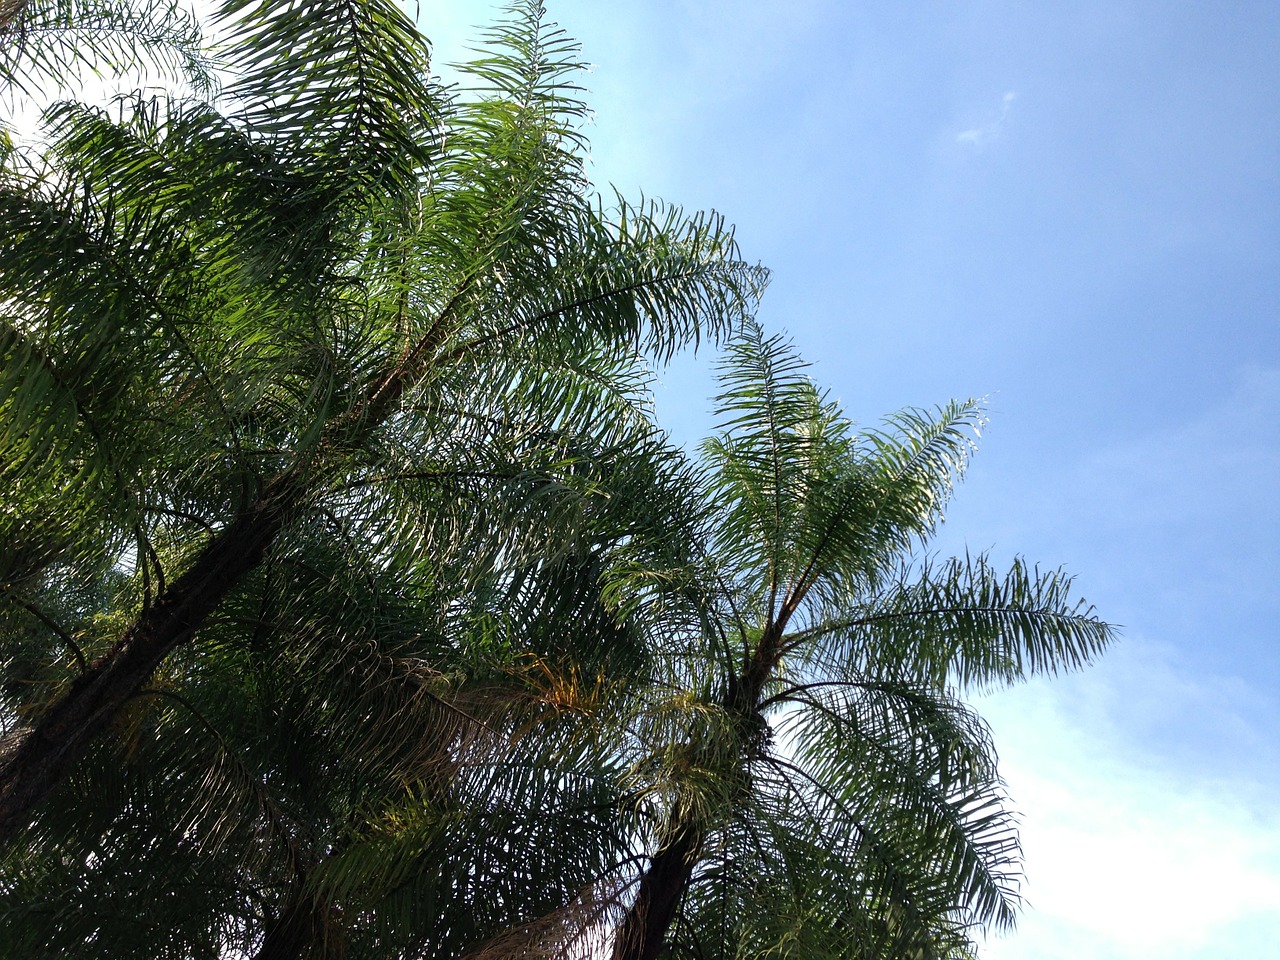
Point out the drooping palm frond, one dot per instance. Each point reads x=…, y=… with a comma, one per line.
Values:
x=342, y=98
x=918, y=771
x=869, y=821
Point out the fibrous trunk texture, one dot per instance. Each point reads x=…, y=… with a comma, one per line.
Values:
x=303, y=931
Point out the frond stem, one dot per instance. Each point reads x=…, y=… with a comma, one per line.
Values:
x=62, y=635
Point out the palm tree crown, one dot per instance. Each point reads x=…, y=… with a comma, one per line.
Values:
x=811, y=783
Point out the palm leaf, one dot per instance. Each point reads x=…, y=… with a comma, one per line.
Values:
x=50, y=44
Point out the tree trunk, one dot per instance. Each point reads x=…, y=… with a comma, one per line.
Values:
x=643, y=932
x=33, y=761
x=34, y=764
x=11, y=13
x=303, y=931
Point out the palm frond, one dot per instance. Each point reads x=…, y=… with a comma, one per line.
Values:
x=962, y=621
x=762, y=457
x=342, y=88
x=879, y=498
x=49, y=45
x=908, y=781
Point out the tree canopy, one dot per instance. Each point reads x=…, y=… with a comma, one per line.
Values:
x=352, y=603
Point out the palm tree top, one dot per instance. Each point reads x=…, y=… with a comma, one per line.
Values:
x=812, y=732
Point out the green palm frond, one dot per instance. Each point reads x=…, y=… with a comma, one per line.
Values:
x=441, y=884
x=340, y=89
x=106, y=870
x=913, y=767
x=961, y=621
x=527, y=64
x=52, y=44
x=808, y=498
x=761, y=457
x=647, y=276
x=919, y=463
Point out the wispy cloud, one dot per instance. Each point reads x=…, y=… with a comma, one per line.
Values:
x=983, y=134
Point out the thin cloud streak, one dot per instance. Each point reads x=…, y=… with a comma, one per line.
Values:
x=979, y=136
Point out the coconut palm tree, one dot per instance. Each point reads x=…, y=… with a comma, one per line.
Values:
x=806, y=780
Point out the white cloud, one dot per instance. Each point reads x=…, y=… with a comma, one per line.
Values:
x=1128, y=855
x=983, y=134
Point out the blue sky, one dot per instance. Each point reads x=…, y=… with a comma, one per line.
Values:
x=1073, y=209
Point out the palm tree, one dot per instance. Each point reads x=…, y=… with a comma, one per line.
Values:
x=347, y=593
x=221, y=324
x=806, y=780
x=310, y=398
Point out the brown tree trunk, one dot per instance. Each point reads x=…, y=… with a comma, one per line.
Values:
x=643, y=931
x=10, y=13
x=33, y=762
x=304, y=931
x=32, y=767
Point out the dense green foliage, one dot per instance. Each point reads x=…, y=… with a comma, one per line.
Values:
x=351, y=602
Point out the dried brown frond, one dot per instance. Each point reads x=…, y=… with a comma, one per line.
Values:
x=577, y=931
x=11, y=15
x=562, y=687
